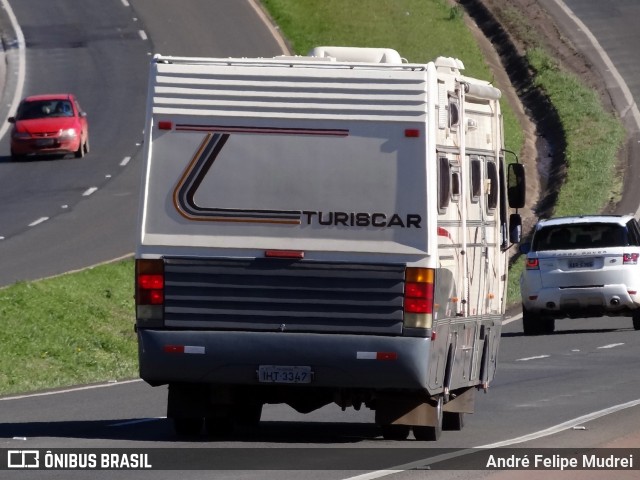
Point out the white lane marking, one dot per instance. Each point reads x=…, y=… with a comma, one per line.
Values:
x=508, y=320
x=125, y=161
x=142, y=34
x=38, y=221
x=20, y=45
x=576, y=422
x=133, y=422
x=70, y=390
x=89, y=191
x=125, y=3
x=611, y=345
x=526, y=359
x=564, y=425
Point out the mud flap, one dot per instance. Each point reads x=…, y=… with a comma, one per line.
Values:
x=407, y=410
x=461, y=401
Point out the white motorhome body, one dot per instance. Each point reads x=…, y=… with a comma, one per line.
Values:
x=319, y=229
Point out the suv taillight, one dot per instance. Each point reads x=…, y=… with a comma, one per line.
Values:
x=149, y=292
x=630, y=258
x=533, y=264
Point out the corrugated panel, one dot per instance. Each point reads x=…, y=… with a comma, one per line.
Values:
x=282, y=295
x=290, y=90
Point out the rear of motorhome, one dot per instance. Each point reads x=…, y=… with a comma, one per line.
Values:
x=323, y=229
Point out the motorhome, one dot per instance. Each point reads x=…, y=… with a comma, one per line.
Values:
x=330, y=228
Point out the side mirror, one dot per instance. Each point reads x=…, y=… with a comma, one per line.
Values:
x=515, y=228
x=11, y=119
x=516, y=185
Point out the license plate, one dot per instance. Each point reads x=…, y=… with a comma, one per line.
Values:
x=581, y=264
x=44, y=142
x=284, y=374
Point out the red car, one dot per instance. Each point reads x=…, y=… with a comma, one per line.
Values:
x=49, y=124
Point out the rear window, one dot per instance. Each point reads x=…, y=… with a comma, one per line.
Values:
x=574, y=236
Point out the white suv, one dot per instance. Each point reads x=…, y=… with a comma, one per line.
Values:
x=584, y=266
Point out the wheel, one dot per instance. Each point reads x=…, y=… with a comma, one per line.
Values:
x=17, y=157
x=547, y=325
x=452, y=421
x=395, y=432
x=529, y=322
x=430, y=433
x=220, y=422
x=636, y=319
x=247, y=414
x=187, y=427
x=536, y=324
x=81, y=150
x=427, y=434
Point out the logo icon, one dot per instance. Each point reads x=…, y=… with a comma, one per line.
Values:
x=23, y=459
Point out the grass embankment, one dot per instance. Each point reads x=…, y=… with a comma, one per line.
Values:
x=78, y=328
x=72, y=329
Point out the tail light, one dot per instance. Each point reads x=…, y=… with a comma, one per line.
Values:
x=533, y=264
x=630, y=258
x=418, y=297
x=149, y=292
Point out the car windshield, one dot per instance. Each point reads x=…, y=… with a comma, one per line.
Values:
x=573, y=236
x=44, y=109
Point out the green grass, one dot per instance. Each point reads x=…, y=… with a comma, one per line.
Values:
x=78, y=328
x=593, y=139
x=72, y=329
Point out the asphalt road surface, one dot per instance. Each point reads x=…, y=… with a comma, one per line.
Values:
x=61, y=214
x=550, y=391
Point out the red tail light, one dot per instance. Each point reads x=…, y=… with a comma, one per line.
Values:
x=533, y=264
x=630, y=258
x=418, y=297
x=149, y=282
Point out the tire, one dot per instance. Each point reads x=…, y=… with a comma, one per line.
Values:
x=547, y=325
x=430, y=433
x=187, y=427
x=82, y=149
x=219, y=426
x=16, y=157
x=529, y=323
x=452, y=421
x=636, y=319
x=427, y=434
x=395, y=432
x=247, y=414
x=80, y=152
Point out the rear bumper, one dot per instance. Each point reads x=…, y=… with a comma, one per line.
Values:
x=233, y=358
x=58, y=146
x=589, y=302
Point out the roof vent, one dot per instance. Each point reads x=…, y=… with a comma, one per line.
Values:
x=358, y=54
x=451, y=63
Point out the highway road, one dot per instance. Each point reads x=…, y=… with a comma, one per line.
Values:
x=576, y=388
x=550, y=391
x=63, y=214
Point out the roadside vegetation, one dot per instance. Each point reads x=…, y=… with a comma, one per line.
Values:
x=68, y=330
x=78, y=328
